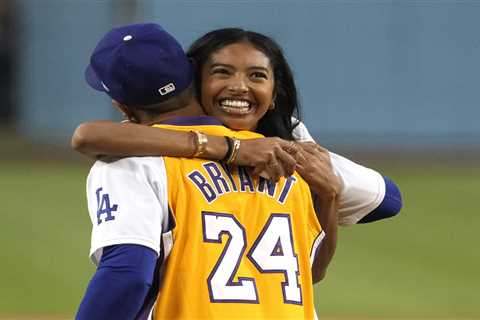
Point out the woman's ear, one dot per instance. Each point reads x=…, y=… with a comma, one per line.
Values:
x=272, y=105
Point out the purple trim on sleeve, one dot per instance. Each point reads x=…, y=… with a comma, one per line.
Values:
x=120, y=285
x=192, y=121
x=390, y=206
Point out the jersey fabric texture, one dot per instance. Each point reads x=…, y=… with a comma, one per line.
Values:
x=242, y=247
x=362, y=189
x=128, y=204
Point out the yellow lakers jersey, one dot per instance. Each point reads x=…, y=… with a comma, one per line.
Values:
x=242, y=245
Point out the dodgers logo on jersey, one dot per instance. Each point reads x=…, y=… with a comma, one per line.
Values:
x=104, y=207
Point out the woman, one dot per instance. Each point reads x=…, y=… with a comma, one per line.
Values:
x=243, y=97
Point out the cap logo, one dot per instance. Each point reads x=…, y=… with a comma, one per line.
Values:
x=105, y=87
x=167, y=89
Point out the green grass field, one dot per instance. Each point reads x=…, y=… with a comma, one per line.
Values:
x=424, y=264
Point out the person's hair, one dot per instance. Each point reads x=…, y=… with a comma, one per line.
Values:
x=179, y=101
x=278, y=121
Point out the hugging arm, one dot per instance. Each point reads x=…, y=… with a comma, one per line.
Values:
x=315, y=167
x=365, y=195
x=327, y=213
x=99, y=138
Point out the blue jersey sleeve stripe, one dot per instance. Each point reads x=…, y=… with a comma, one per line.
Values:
x=390, y=205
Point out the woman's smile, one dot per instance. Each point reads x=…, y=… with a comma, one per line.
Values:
x=238, y=85
x=236, y=106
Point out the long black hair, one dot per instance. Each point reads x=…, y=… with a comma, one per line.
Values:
x=276, y=122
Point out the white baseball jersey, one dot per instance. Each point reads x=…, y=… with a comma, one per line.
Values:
x=133, y=192
x=362, y=189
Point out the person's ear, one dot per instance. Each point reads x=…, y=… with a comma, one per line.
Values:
x=272, y=105
x=127, y=113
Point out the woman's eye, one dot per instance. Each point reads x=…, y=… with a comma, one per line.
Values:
x=259, y=75
x=220, y=71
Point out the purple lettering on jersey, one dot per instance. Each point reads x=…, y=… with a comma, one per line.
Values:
x=213, y=182
x=245, y=180
x=286, y=189
x=228, y=171
x=271, y=186
x=201, y=182
x=104, y=207
x=217, y=178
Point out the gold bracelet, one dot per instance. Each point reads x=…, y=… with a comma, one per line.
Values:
x=234, y=155
x=200, y=144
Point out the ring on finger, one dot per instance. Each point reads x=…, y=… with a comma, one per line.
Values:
x=292, y=148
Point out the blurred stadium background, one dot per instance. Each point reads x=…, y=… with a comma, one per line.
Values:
x=391, y=84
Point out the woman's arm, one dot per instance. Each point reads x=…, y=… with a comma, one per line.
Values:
x=314, y=166
x=365, y=196
x=109, y=138
x=100, y=138
x=327, y=213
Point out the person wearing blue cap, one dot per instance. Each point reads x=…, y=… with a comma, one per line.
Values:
x=364, y=196
x=225, y=240
x=130, y=66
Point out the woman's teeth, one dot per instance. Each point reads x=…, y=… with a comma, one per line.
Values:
x=235, y=106
x=235, y=103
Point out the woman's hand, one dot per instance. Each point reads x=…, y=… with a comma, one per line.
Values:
x=271, y=158
x=314, y=165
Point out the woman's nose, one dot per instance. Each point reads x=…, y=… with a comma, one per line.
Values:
x=238, y=84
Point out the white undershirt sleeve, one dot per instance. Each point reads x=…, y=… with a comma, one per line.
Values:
x=362, y=189
x=300, y=132
x=127, y=203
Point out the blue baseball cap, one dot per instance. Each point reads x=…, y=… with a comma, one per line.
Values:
x=139, y=64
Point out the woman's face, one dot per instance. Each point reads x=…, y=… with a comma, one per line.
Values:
x=237, y=86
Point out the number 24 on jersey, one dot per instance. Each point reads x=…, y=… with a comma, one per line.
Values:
x=272, y=252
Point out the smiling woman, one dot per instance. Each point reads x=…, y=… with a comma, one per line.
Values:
x=260, y=62
x=238, y=86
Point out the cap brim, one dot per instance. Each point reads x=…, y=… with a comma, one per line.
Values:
x=92, y=79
